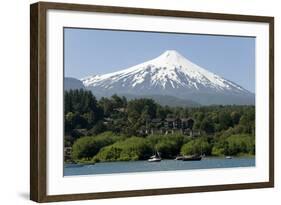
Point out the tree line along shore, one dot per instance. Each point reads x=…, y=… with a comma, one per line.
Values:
x=117, y=129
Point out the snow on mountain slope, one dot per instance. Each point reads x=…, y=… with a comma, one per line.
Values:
x=169, y=74
x=170, y=69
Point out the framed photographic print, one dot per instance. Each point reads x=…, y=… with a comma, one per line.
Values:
x=135, y=102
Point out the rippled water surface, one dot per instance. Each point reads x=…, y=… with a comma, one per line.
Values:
x=164, y=165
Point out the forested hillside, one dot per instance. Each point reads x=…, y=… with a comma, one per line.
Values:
x=115, y=128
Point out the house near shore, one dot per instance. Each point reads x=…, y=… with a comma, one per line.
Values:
x=169, y=125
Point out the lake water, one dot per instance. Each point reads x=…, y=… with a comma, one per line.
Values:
x=164, y=165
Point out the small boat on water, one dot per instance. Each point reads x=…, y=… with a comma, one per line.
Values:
x=228, y=157
x=155, y=158
x=192, y=158
x=179, y=157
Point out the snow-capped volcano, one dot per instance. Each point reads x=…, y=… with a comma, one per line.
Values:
x=168, y=74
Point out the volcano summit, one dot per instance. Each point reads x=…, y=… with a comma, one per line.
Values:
x=170, y=74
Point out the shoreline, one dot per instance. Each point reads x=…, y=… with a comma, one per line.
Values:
x=165, y=159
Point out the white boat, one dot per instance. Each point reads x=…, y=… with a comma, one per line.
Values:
x=192, y=158
x=179, y=157
x=228, y=157
x=155, y=158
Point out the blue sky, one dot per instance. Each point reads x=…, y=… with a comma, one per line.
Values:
x=92, y=51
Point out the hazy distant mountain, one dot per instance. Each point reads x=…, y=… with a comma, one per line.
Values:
x=170, y=74
x=166, y=100
x=72, y=83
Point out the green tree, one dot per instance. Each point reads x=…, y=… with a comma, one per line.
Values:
x=235, y=116
x=87, y=147
x=133, y=148
x=237, y=144
x=225, y=120
x=99, y=127
x=197, y=146
x=207, y=125
x=81, y=110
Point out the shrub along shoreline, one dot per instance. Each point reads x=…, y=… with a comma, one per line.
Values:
x=108, y=147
